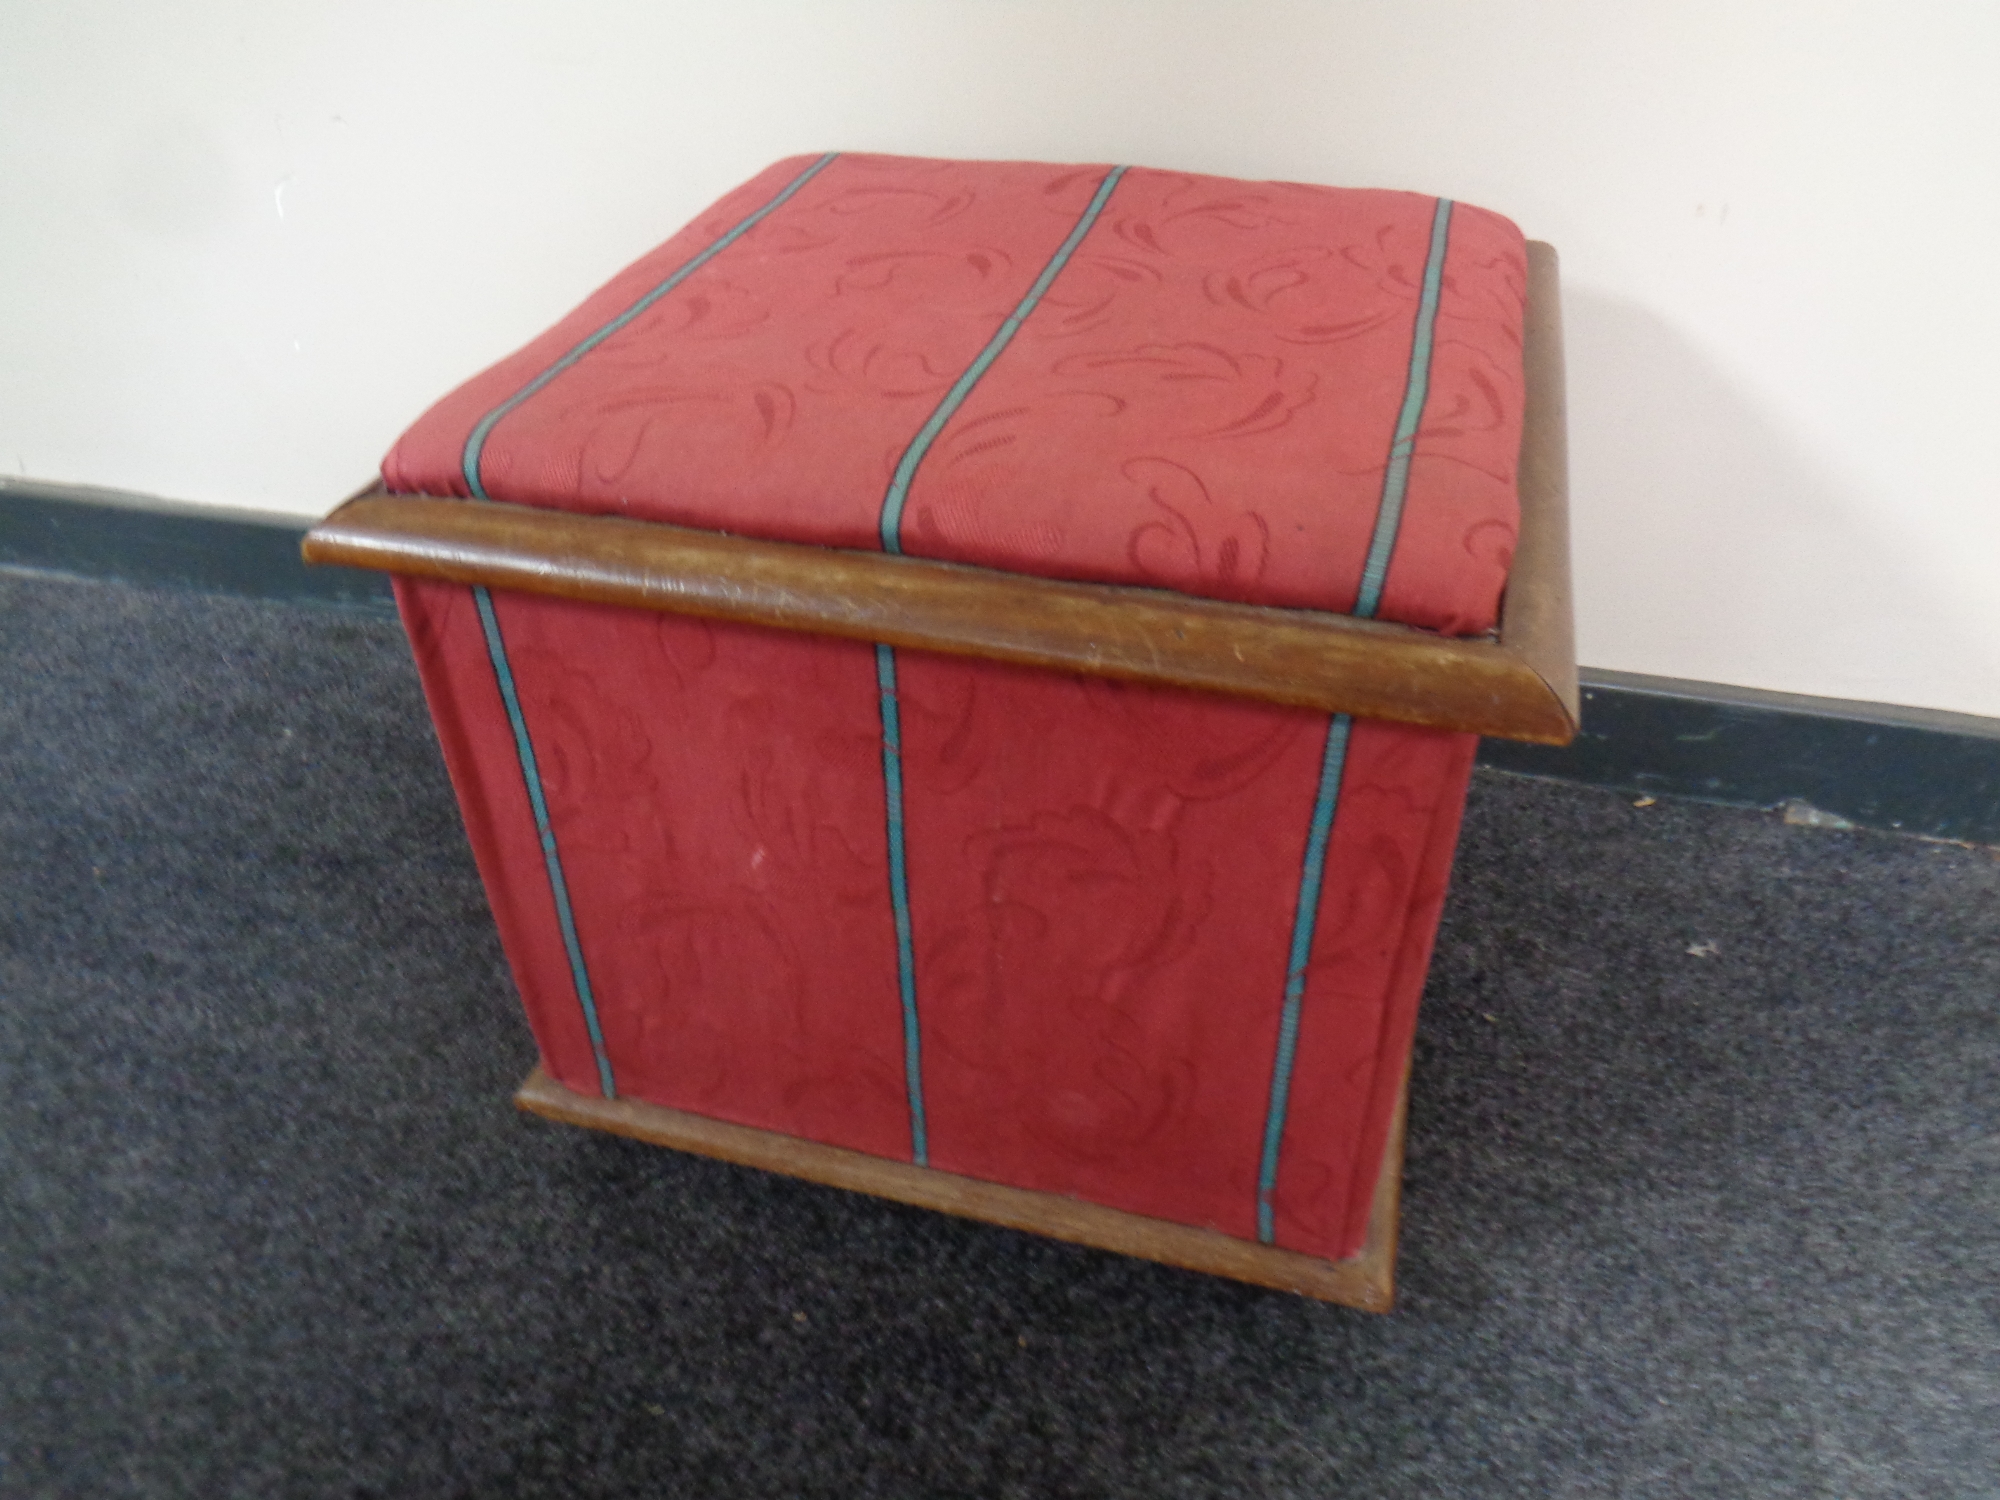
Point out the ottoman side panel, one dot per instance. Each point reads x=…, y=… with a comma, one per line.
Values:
x=716, y=795
x=1406, y=986
x=479, y=755
x=1100, y=877
x=1388, y=861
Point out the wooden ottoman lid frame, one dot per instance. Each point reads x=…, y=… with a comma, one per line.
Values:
x=1522, y=686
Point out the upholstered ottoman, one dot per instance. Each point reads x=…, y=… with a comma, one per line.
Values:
x=961, y=679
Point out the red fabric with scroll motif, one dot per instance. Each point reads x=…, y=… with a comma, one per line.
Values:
x=1103, y=881
x=1203, y=400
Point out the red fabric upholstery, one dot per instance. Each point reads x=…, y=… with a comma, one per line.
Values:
x=1102, y=884
x=1203, y=400
x=1101, y=879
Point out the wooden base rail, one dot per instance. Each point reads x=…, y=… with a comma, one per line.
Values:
x=1368, y=1281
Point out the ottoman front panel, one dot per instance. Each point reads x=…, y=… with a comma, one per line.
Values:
x=1103, y=884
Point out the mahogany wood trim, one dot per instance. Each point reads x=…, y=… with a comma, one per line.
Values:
x=1536, y=621
x=1320, y=661
x=1366, y=1282
x=1521, y=687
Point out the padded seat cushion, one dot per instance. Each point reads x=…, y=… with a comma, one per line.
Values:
x=1265, y=392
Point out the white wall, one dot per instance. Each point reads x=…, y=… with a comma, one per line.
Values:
x=242, y=242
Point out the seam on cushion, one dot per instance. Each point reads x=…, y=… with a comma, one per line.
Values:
x=475, y=442
x=890, y=527
x=1396, y=478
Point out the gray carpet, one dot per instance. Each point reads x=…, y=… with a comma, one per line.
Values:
x=1721, y=1222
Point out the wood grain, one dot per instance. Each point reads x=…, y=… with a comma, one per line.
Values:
x=1311, y=660
x=1521, y=687
x=1366, y=1282
x=1536, y=621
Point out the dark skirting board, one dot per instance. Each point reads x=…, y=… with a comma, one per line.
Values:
x=117, y=536
x=1877, y=765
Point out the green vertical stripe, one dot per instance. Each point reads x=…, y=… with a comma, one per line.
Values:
x=1312, y=876
x=906, y=471
x=1333, y=759
x=1416, y=388
x=891, y=525
x=524, y=749
x=899, y=901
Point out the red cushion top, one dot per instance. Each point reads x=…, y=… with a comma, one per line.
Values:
x=1269, y=392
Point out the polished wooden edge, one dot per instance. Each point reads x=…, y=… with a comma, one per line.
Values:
x=1537, y=622
x=1303, y=658
x=1366, y=1282
x=1521, y=687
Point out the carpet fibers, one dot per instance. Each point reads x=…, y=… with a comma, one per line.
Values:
x=1703, y=1193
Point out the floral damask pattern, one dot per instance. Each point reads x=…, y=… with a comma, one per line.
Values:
x=1252, y=340
x=1101, y=876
